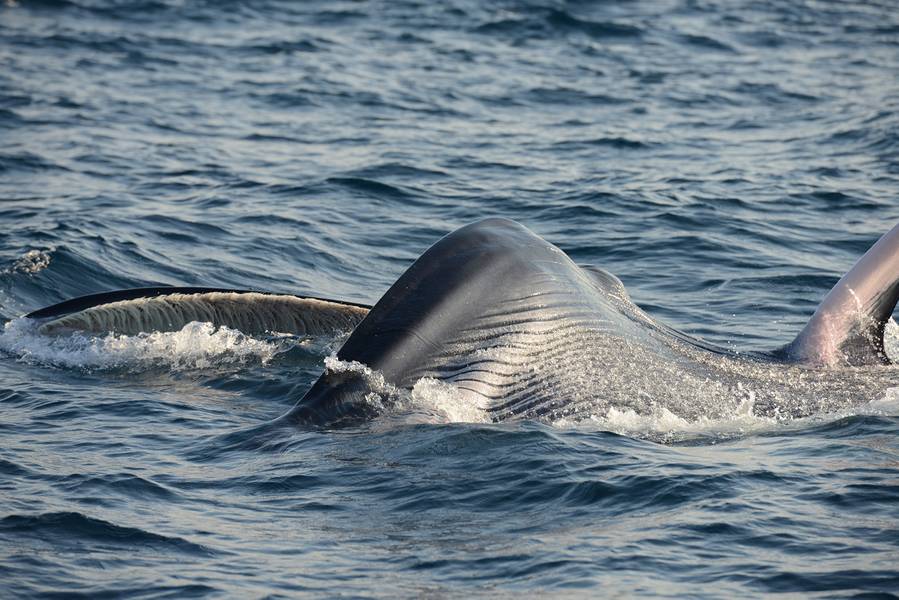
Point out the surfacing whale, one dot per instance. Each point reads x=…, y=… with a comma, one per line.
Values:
x=513, y=326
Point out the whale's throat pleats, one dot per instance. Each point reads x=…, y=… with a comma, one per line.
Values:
x=501, y=314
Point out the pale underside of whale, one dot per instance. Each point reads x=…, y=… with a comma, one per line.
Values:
x=521, y=331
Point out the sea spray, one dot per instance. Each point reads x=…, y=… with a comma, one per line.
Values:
x=195, y=346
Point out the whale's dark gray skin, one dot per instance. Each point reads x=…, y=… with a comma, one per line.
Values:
x=520, y=331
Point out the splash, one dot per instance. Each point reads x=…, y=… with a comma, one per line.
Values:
x=31, y=262
x=659, y=423
x=447, y=401
x=891, y=340
x=196, y=346
x=430, y=400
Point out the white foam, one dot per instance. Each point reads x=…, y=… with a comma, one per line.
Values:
x=429, y=400
x=891, y=340
x=31, y=262
x=660, y=424
x=887, y=406
x=446, y=402
x=195, y=346
x=374, y=380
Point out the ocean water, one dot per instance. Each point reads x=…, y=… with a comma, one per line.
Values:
x=729, y=161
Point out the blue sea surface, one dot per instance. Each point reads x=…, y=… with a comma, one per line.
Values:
x=728, y=160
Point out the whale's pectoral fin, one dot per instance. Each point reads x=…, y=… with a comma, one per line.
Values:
x=848, y=326
x=170, y=308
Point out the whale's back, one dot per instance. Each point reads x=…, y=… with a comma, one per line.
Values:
x=505, y=317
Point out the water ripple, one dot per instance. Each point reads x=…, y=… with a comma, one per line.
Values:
x=71, y=529
x=728, y=161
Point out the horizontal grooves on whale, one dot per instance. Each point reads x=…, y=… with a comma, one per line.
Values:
x=521, y=331
x=139, y=310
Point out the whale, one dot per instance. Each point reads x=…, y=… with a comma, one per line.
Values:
x=510, y=324
x=170, y=308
